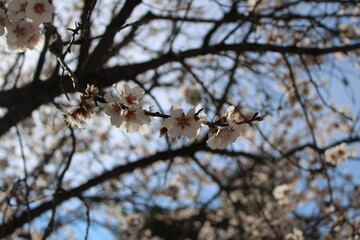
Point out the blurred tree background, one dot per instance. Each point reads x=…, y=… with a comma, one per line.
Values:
x=291, y=64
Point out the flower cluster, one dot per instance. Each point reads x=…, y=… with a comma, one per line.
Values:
x=181, y=125
x=126, y=113
x=125, y=109
x=22, y=18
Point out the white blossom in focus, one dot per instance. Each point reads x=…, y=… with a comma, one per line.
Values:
x=181, y=125
x=33, y=41
x=125, y=110
x=129, y=96
x=40, y=11
x=230, y=116
x=113, y=109
x=18, y=34
x=219, y=138
x=17, y=10
x=222, y=137
x=134, y=120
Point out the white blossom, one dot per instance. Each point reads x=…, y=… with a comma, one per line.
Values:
x=230, y=116
x=181, y=125
x=125, y=110
x=219, y=138
x=222, y=137
x=338, y=154
x=17, y=10
x=113, y=109
x=40, y=11
x=33, y=41
x=129, y=96
x=19, y=34
x=134, y=120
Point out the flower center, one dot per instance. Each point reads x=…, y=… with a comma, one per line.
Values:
x=341, y=152
x=18, y=31
x=130, y=99
x=22, y=7
x=183, y=121
x=130, y=115
x=39, y=8
x=115, y=108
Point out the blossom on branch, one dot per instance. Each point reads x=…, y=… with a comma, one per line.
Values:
x=17, y=10
x=129, y=96
x=113, y=109
x=22, y=35
x=181, y=125
x=134, y=120
x=219, y=138
x=33, y=41
x=40, y=11
x=125, y=110
x=82, y=113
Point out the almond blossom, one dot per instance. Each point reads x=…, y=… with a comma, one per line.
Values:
x=113, y=109
x=134, y=120
x=128, y=95
x=40, y=11
x=181, y=125
x=219, y=138
x=17, y=10
x=19, y=34
x=33, y=41
x=125, y=110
